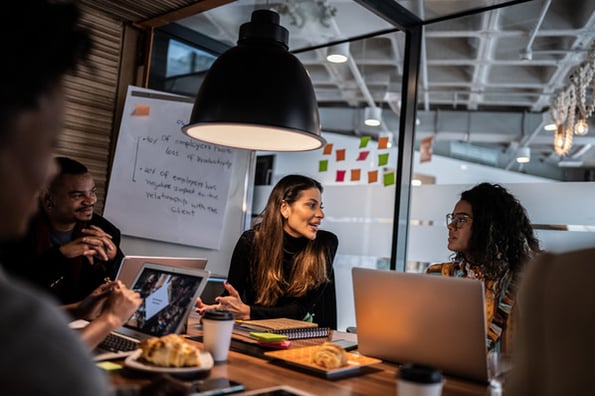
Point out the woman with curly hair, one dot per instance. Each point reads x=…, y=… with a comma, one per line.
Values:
x=281, y=267
x=492, y=238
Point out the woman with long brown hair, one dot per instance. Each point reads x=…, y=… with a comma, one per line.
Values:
x=281, y=267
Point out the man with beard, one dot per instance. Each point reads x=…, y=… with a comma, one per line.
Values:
x=69, y=250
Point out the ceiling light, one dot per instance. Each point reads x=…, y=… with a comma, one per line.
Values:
x=523, y=155
x=372, y=116
x=338, y=53
x=257, y=95
x=550, y=127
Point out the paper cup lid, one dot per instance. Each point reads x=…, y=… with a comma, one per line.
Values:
x=419, y=373
x=213, y=314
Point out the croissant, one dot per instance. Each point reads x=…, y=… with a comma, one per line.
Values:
x=329, y=356
x=170, y=351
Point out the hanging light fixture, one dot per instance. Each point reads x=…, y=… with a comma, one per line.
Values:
x=257, y=95
x=573, y=103
x=372, y=116
x=338, y=53
x=523, y=155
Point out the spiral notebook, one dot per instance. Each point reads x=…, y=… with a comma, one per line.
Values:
x=293, y=329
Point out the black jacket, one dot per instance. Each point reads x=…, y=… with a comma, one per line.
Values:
x=34, y=260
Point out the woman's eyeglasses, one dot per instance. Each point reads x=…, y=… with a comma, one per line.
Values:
x=457, y=220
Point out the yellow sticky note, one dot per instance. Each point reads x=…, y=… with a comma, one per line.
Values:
x=141, y=110
x=109, y=366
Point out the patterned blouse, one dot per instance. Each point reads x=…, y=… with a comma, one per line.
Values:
x=498, y=298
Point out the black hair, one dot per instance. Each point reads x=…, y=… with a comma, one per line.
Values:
x=502, y=238
x=68, y=166
x=42, y=41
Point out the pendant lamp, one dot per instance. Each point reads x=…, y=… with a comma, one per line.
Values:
x=257, y=95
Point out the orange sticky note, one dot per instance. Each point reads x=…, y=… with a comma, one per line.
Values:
x=340, y=175
x=382, y=142
x=362, y=155
x=355, y=174
x=141, y=110
x=372, y=176
x=328, y=149
x=340, y=155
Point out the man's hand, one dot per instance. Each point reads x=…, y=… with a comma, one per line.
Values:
x=95, y=244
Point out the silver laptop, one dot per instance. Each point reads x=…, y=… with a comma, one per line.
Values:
x=169, y=294
x=424, y=319
x=132, y=264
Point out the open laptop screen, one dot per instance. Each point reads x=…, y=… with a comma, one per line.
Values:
x=168, y=296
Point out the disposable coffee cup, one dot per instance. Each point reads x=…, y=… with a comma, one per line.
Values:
x=418, y=380
x=217, y=327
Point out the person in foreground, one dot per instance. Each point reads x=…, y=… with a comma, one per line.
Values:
x=281, y=266
x=553, y=340
x=40, y=354
x=68, y=250
x=492, y=238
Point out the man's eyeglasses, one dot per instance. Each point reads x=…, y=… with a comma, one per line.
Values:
x=457, y=220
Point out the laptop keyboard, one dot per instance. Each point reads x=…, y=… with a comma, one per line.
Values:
x=115, y=343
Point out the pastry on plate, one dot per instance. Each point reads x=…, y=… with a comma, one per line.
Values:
x=329, y=356
x=170, y=351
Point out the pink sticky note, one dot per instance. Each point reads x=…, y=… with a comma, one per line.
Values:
x=362, y=155
x=340, y=175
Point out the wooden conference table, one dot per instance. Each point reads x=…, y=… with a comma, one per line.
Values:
x=256, y=373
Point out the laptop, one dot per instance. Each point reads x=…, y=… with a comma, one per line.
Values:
x=132, y=264
x=424, y=319
x=169, y=294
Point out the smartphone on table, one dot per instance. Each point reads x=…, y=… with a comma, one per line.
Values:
x=215, y=386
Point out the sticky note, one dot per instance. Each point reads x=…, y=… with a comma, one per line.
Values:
x=382, y=159
x=363, y=141
x=109, y=366
x=362, y=155
x=355, y=174
x=141, y=110
x=340, y=154
x=340, y=175
x=389, y=178
x=323, y=166
x=382, y=142
x=328, y=149
x=372, y=176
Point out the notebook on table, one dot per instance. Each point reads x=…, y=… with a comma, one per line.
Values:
x=431, y=320
x=131, y=265
x=169, y=294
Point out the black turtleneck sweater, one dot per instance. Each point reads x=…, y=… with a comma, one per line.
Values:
x=242, y=267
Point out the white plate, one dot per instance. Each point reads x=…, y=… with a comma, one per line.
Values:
x=133, y=361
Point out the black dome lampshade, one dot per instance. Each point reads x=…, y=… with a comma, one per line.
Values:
x=257, y=95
